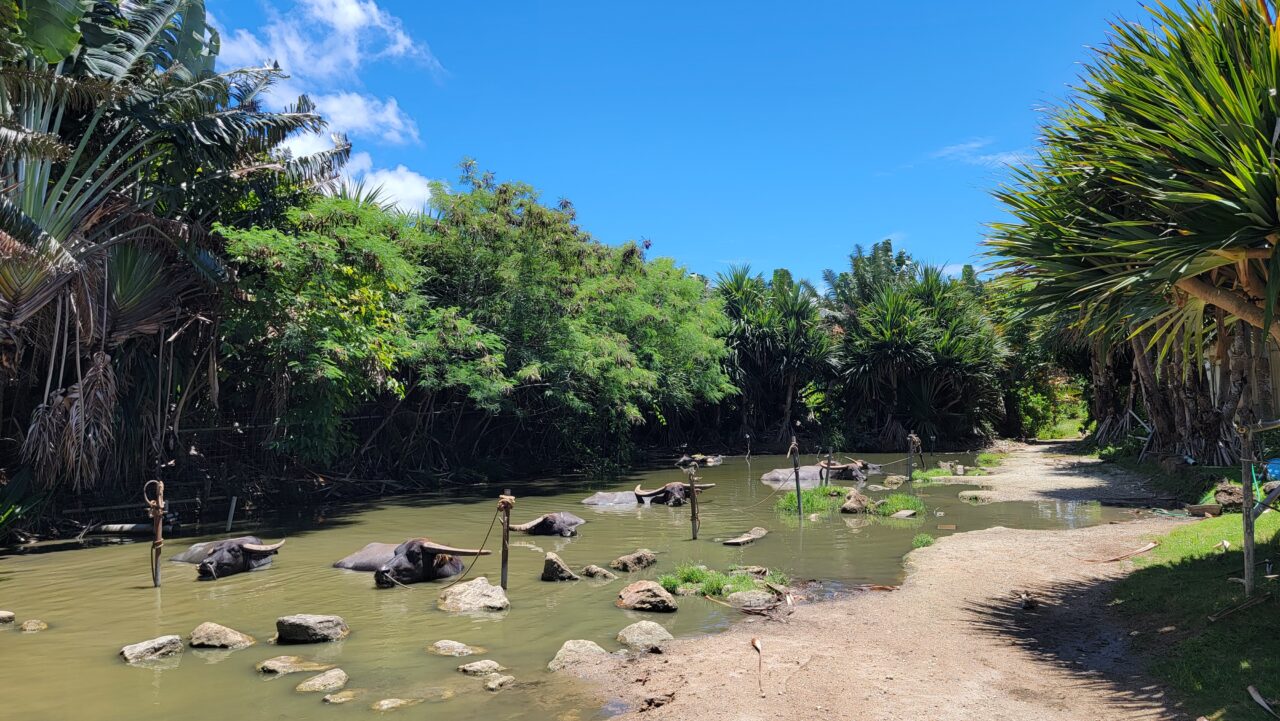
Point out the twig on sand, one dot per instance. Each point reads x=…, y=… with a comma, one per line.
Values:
x=755, y=643
x=1122, y=556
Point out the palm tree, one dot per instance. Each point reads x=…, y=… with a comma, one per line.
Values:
x=119, y=147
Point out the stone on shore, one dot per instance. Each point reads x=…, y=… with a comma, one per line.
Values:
x=642, y=558
x=331, y=680
x=577, y=652
x=752, y=599
x=213, y=635
x=33, y=625
x=644, y=636
x=855, y=502
x=152, y=650
x=481, y=668
x=6, y=617
x=646, y=596
x=594, y=571
x=393, y=704
x=472, y=596
x=453, y=648
x=342, y=696
x=310, y=628
x=281, y=665
x=555, y=569
x=1229, y=496
x=497, y=682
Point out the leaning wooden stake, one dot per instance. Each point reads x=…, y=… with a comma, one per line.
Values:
x=693, y=497
x=505, y=502
x=1246, y=480
x=794, y=452
x=155, y=508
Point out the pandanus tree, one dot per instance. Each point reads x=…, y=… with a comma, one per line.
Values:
x=1150, y=213
x=119, y=146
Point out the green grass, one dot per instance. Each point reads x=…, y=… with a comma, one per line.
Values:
x=921, y=540
x=1180, y=583
x=1065, y=428
x=991, y=460
x=816, y=500
x=926, y=476
x=898, y=502
x=1187, y=486
x=714, y=583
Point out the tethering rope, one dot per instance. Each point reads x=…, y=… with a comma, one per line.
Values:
x=502, y=500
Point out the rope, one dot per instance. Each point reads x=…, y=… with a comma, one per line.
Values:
x=472, y=565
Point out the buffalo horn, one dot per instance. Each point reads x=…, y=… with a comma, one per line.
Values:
x=433, y=547
x=527, y=526
x=647, y=494
x=263, y=547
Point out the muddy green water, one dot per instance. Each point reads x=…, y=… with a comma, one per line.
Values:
x=99, y=599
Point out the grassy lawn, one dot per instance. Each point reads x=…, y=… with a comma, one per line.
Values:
x=1179, y=584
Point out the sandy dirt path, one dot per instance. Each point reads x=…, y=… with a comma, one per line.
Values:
x=952, y=643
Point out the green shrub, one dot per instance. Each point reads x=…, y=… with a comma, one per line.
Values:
x=921, y=540
x=816, y=500
x=669, y=582
x=691, y=573
x=899, y=502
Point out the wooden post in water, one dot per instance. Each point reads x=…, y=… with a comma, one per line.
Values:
x=827, y=480
x=505, y=502
x=155, y=508
x=693, y=497
x=794, y=452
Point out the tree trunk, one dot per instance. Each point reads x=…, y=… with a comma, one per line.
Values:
x=786, y=408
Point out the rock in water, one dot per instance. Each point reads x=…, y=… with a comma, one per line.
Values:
x=453, y=648
x=33, y=625
x=643, y=636
x=577, y=652
x=497, y=682
x=6, y=617
x=280, y=665
x=341, y=697
x=752, y=599
x=481, y=668
x=212, y=635
x=310, y=628
x=598, y=572
x=751, y=536
x=642, y=558
x=855, y=502
x=1229, y=496
x=646, y=596
x=554, y=569
x=152, y=650
x=331, y=680
x=472, y=596
x=392, y=704
x=894, y=481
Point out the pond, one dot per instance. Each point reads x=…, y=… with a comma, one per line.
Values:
x=99, y=599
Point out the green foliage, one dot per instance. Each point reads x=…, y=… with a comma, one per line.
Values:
x=899, y=502
x=1180, y=584
x=922, y=540
x=816, y=500
x=670, y=582
x=990, y=459
x=928, y=475
x=702, y=580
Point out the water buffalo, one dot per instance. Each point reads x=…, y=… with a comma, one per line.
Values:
x=700, y=459
x=216, y=559
x=672, y=494
x=606, y=498
x=551, y=524
x=811, y=476
x=414, y=561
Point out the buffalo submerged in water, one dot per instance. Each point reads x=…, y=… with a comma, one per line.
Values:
x=414, y=561
x=218, y=559
x=672, y=494
x=551, y=524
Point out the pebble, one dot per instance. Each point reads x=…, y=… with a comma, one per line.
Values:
x=341, y=697
x=497, y=682
x=446, y=647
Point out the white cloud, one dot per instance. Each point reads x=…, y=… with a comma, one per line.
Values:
x=975, y=152
x=365, y=115
x=410, y=191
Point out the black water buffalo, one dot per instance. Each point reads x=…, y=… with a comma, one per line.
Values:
x=551, y=524
x=608, y=498
x=812, y=476
x=414, y=561
x=672, y=494
x=216, y=559
x=700, y=459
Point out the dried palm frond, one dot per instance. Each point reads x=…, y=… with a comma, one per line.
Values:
x=41, y=447
x=89, y=435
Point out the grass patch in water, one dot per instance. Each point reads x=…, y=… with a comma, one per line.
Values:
x=816, y=500
x=899, y=502
x=928, y=476
x=701, y=580
x=1181, y=583
x=990, y=459
x=921, y=540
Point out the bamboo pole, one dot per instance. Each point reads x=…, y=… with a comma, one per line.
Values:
x=1246, y=480
x=694, y=520
x=155, y=507
x=504, y=504
x=794, y=452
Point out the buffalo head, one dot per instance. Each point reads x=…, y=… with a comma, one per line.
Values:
x=672, y=494
x=551, y=524
x=231, y=556
x=421, y=559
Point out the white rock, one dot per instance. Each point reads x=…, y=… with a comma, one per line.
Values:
x=331, y=680
x=153, y=649
x=575, y=652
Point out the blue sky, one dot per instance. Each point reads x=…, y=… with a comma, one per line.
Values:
x=771, y=134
